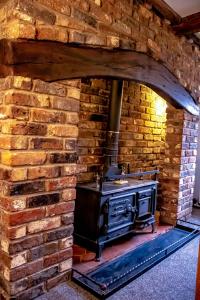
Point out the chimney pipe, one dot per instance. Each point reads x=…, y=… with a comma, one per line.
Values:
x=112, y=135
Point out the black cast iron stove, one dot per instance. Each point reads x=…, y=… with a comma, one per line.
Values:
x=116, y=203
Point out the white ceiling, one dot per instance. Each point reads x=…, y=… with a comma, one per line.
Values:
x=184, y=7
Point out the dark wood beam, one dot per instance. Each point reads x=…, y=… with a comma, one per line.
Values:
x=165, y=11
x=52, y=61
x=193, y=38
x=188, y=25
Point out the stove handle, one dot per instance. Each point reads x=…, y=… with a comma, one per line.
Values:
x=130, y=208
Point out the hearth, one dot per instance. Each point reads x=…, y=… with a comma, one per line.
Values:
x=109, y=277
x=117, y=202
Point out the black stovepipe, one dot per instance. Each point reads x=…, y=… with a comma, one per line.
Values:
x=112, y=134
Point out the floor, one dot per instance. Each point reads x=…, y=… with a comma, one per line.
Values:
x=172, y=279
x=195, y=218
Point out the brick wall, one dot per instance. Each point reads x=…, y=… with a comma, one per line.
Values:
x=188, y=164
x=142, y=129
x=93, y=115
x=38, y=178
x=112, y=24
x=149, y=139
x=177, y=176
x=40, y=125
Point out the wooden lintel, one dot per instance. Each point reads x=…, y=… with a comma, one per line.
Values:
x=189, y=24
x=52, y=61
x=164, y=10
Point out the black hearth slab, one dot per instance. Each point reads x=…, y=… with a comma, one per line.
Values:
x=111, y=187
x=111, y=276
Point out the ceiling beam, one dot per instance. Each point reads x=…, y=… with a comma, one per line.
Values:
x=188, y=25
x=52, y=61
x=163, y=9
x=192, y=37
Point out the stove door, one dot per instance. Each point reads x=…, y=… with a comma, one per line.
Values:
x=146, y=202
x=120, y=213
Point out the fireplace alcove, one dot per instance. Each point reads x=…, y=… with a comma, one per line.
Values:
x=34, y=60
x=136, y=147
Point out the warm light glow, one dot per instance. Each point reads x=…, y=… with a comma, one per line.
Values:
x=160, y=106
x=2, y=116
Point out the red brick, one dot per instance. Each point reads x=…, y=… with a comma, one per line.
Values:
x=56, y=234
x=46, y=143
x=26, y=216
x=42, y=250
x=25, y=243
x=12, y=142
x=13, y=204
x=67, y=219
x=69, y=194
x=45, y=224
x=57, y=257
x=63, y=130
x=69, y=169
x=43, y=172
x=23, y=158
x=42, y=276
x=18, y=113
x=44, y=116
x=26, y=270
x=22, y=83
x=61, y=183
x=23, y=128
x=60, y=208
x=52, y=33
x=16, y=232
x=26, y=99
x=48, y=88
x=16, y=189
x=71, y=105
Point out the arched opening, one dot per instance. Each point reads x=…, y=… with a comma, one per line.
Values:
x=152, y=134
x=49, y=162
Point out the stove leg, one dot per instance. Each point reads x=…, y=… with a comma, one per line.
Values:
x=153, y=227
x=98, y=253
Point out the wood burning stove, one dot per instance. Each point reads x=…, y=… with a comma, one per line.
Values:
x=106, y=214
x=117, y=204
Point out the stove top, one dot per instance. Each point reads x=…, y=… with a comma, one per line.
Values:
x=110, y=186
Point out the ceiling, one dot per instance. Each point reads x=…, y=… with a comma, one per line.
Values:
x=184, y=16
x=184, y=7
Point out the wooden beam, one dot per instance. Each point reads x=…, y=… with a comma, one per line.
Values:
x=52, y=61
x=164, y=10
x=194, y=38
x=188, y=25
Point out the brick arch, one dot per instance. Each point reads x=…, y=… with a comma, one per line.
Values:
x=52, y=61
